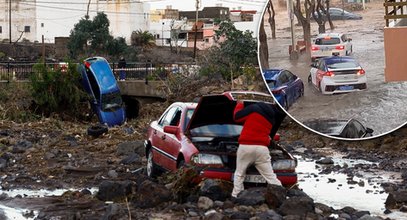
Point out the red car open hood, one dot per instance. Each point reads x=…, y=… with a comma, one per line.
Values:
x=218, y=109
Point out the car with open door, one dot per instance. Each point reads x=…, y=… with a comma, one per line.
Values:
x=205, y=136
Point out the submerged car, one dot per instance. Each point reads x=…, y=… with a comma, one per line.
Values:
x=337, y=74
x=284, y=85
x=339, y=14
x=331, y=44
x=205, y=136
x=351, y=128
x=101, y=85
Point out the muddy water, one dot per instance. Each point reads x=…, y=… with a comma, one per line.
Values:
x=380, y=107
x=336, y=190
x=17, y=213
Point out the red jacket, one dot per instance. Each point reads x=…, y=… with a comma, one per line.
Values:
x=258, y=122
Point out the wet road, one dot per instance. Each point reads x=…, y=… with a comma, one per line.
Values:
x=380, y=107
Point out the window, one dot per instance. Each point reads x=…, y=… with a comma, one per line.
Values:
x=42, y=24
x=167, y=119
x=27, y=29
x=168, y=41
x=1, y=29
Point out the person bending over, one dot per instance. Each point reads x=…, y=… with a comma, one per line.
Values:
x=260, y=120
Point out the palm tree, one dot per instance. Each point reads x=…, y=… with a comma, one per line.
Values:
x=142, y=39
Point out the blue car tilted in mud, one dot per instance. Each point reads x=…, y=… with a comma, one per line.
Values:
x=101, y=85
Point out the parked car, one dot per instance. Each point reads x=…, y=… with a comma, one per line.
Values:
x=101, y=85
x=337, y=74
x=284, y=85
x=331, y=44
x=351, y=128
x=339, y=14
x=205, y=136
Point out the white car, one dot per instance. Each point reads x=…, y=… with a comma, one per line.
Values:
x=337, y=74
x=331, y=44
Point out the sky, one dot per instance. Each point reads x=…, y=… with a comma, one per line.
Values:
x=190, y=4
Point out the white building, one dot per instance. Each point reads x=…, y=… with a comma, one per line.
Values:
x=23, y=23
x=57, y=18
x=163, y=28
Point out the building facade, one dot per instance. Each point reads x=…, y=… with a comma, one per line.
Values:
x=18, y=21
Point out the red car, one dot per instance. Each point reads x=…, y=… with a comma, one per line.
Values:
x=205, y=136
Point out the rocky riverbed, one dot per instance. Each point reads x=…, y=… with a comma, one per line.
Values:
x=103, y=177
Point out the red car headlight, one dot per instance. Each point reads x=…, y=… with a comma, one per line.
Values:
x=206, y=159
x=284, y=165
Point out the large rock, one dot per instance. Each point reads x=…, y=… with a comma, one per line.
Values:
x=114, y=191
x=269, y=214
x=150, y=194
x=252, y=196
x=297, y=206
x=215, y=189
x=395, y=199
x=127, y=148
x=275, y=195
x=205, y=203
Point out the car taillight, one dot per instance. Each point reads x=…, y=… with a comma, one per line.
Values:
x=87, y=64
x=313, y=48
x=340, y=47
x=361, y=72
x=329, y=73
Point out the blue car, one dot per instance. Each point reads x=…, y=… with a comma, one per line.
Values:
x=101, y=85
x=284, y=85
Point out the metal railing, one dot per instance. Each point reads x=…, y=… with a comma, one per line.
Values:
x=19, y=71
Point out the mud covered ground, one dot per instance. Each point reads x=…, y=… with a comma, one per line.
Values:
x=52, y=154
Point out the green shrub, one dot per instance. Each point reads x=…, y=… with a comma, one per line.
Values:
x=54, y=91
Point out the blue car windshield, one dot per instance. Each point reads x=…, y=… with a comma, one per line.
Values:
x=111, y=101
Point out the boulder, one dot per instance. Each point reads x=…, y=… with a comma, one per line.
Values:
x=131, y=158
x=150, y=194
x=275, y=195
x=114, y=211
x=297, y=206
x=215, y=189
x=114, y=191
x=205, y=203
x=252, y=196
x=126, y=148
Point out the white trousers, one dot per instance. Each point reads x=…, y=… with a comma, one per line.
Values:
x=260, y=157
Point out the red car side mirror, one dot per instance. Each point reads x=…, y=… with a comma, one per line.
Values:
x=171, y=129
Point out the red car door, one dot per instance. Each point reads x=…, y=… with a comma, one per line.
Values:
x=166, y=146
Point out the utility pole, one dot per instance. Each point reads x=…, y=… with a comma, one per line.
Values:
x=196, y=26
x=9, y=19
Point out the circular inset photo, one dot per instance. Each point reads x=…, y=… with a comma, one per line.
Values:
x=336, y=67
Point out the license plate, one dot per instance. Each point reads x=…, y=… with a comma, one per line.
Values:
x=335, y=54
x=345, y=87
x=250, y=178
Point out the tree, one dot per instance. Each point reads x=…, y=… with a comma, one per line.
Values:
x=263, y=50
x=304, y=20
x=92, y=36
x=230, y=56
x=272, y=21
x=142, y=39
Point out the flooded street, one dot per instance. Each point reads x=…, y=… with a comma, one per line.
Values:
x=380, y=107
